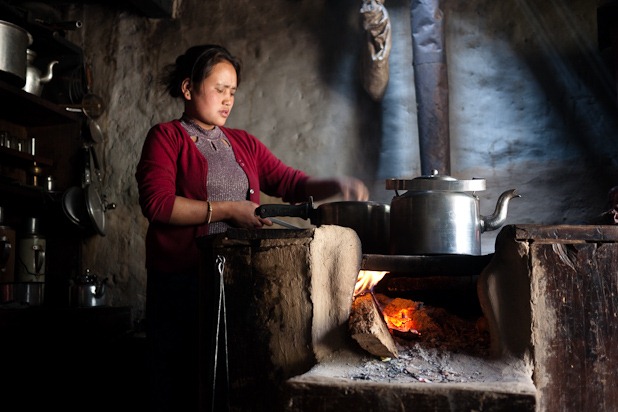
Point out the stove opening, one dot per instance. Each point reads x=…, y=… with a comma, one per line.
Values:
x=432, y=308
x=435, y=312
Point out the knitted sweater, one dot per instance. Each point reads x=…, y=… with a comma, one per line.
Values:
x=171, y=165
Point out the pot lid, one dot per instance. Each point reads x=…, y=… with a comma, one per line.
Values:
x=436, y=181
x=96, y=209
x=72, y=205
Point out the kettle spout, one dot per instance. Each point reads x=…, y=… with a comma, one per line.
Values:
x=497, y=219
x=46, y=78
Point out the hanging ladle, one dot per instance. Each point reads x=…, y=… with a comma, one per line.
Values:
x=92, y=107
x=94, y=131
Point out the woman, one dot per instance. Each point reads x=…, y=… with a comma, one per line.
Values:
x=196, y=178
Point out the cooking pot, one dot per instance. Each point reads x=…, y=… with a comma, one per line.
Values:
x=370, y=220
x=22, y=293
x=441, y=215
x=14, y=42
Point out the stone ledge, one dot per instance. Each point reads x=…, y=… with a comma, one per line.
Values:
x=313, y=393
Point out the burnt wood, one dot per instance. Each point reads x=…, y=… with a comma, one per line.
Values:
x=368, y=328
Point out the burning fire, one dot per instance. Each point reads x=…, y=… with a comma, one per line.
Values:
x=399, y=314
x=375, y=317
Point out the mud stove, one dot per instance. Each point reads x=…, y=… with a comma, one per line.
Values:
x=531, y=327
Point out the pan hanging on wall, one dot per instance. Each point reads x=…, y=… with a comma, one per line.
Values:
x=83, y=205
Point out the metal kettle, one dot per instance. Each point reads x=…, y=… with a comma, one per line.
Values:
x=35, y=79
x=89, y=291
x=439, y=214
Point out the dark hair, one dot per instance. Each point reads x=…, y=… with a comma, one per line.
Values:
x=196, y=64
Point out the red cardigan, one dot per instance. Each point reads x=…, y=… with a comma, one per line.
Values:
x=171, y=165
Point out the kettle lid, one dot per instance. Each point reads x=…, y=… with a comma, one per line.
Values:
x=87, y=278
x=436, y=181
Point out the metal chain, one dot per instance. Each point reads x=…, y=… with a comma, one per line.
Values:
x=221, y=318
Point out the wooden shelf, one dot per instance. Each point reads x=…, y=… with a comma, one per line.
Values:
x=32, y=111
x=56, y=133
x=23, y=159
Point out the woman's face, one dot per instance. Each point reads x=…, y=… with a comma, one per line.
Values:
x=210, y=103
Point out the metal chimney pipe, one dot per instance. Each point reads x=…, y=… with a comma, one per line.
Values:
x=431, y=83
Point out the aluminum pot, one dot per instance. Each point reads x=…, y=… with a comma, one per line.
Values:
x=370, y=220
x=22, y=293
x=14, y=42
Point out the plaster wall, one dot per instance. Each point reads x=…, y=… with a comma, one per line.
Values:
x=532, y=103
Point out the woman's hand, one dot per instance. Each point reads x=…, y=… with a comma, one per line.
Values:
x=349, y=188
x=353, y=189
x=238, y=214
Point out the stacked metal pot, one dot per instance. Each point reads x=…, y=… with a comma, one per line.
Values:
x=22, y=267
x=14, y=42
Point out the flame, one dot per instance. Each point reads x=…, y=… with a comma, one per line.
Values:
x=366, y=280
